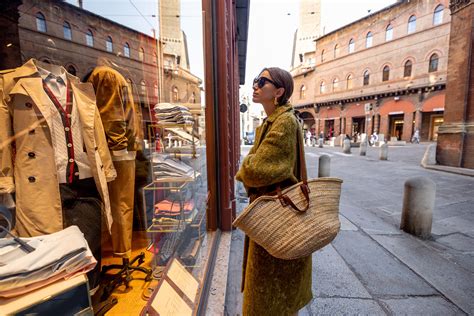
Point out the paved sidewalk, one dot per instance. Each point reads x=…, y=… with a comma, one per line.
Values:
x=374, y=268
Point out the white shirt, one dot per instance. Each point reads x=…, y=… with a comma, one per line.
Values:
x=57, y=83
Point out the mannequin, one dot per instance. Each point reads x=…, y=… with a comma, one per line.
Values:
x=117, y=110
x=53, y=153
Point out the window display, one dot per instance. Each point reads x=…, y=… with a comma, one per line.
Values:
x=90, y=142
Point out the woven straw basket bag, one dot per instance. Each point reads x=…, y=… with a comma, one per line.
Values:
x=298, y=220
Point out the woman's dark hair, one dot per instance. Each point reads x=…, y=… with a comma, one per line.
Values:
x=284, y=80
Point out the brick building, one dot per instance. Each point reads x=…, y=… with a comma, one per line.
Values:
x=385, y=72
x=58, y=32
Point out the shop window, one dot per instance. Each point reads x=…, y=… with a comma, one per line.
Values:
x=322, y=87
x=126, y=50
x=389, y=33
x=351, y=46
x=72, y=70
x=141, y=54
x=412, y=24
x=433, y=63
x=322, y=56
x=89, y=38
x=109, y=45
x=302, y=92
x=407, y=68
x=366, y=78
x=335, y=84
x=336, y=50
x=40, y=22
x=368, y=40
x=349, y=82
x=386, y=73
x=438, y=15
x=175, y=94
x=67, y=31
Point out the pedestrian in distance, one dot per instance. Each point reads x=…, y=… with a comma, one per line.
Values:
x=416, y=137
x=273, y=286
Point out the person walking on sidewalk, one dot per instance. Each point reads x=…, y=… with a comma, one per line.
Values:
x=273, y=286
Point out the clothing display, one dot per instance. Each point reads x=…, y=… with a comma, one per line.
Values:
x=117, y=110
x=166, y=113
x=60, y=255
x=173, y=208
x=39, y=156
x=168, y=168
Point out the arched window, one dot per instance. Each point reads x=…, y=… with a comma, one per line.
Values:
x=335, y=84
x=175, y=94
x=407, y=68
x=433, y=63
x=143, y=87
x=322, y=87
x=126, y=50
x=130, y=84
x=89, y=38
x=109, y=44
x=141, y=54
x=366, y=78
x=155, y=89
x=336, y=50
x=154, y=57
x=386, y=73
x=71, y=70
x=351, y=46
x=302, y=91
x=438, y=15
x=389, y=33
x=67, y=30
x=349, y=82
x=368, y=40
x=412, y=24
x=322, y=56
x=40, y=22
x=193, y=98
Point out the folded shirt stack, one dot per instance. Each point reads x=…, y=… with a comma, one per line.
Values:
x=167, y=167
x=173, y=208
x=61, y=255
x=173, y=114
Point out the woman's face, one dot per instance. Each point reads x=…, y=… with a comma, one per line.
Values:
x=264, y=90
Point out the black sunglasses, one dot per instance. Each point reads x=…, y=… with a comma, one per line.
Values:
x=261, y=81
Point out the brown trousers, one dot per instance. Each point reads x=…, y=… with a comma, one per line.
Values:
x=121, y=192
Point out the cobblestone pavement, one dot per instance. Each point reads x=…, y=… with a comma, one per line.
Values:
x=372, y=267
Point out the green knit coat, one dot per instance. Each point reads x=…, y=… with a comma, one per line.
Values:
x=273, y=286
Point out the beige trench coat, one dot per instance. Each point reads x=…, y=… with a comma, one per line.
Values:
x=25, y=114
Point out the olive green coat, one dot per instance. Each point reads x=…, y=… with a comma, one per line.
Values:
x=273, y=286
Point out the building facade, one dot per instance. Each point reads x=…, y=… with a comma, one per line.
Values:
x=384, y=73
x=456, y=136
x=309, y=29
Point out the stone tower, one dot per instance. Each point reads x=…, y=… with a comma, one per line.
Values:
x=171, y=33
x=308, y=30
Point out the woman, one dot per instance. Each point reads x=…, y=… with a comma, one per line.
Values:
x=273, y=286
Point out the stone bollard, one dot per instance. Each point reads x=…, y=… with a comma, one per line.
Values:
x=346, y=146
x=324, y=166
x=384, y=152
x=418, y=205
x=363, y=148
x=321, y=141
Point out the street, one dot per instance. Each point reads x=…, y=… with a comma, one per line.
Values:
x=372, y=267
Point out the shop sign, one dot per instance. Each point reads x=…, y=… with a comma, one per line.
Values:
x=396, y=112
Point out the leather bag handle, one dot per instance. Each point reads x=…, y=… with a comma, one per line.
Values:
x=284, y=199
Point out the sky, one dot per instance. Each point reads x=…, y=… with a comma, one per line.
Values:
x=272, y=25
